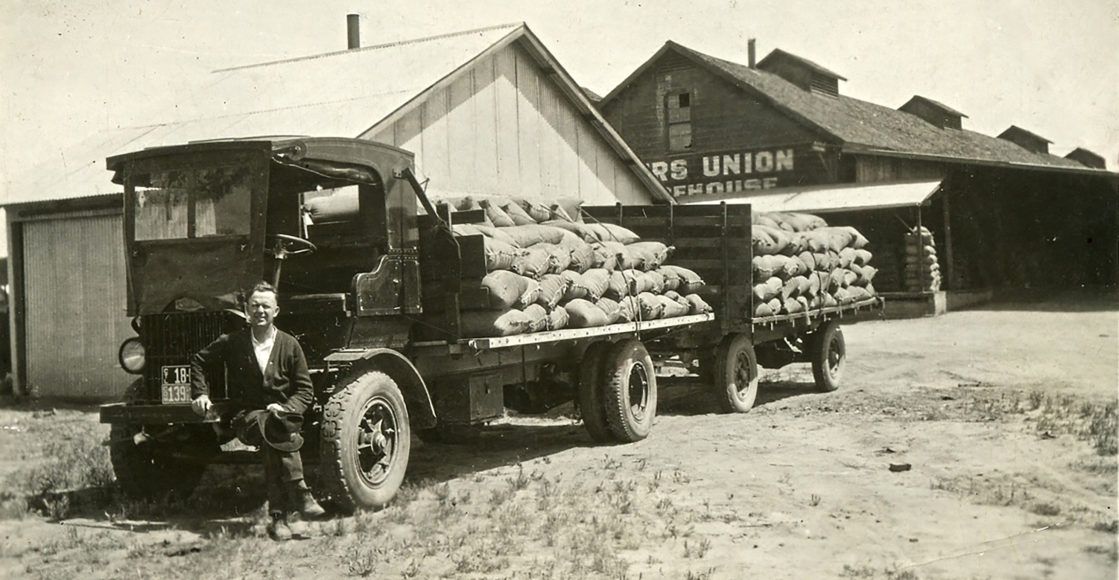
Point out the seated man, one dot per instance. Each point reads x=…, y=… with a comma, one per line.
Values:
x=270, y=368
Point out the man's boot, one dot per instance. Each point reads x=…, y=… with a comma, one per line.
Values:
x=278, y=530
x=302, y=500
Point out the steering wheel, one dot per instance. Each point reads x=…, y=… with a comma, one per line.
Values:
x=284, y=246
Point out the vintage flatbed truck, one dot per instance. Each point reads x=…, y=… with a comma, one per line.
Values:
x=374, y=299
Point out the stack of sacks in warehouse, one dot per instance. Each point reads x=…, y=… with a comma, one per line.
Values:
x=922, y=269
x=549, y=270
x=801, y=264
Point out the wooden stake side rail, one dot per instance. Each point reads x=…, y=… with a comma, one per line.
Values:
x=582, y=333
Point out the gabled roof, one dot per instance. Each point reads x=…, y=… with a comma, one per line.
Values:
x=939, y=105
x=345, y=93
x=1087, y=157
x=777, y=56
x=859, y=126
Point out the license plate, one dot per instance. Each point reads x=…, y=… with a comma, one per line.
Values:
x=176, y=385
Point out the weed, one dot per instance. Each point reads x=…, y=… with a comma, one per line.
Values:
x=519, y=482
x=814, y=500
x=703, y=575
x=1045, y=509
x=698, y=549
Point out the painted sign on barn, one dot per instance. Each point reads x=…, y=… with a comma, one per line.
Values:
x=732, y=171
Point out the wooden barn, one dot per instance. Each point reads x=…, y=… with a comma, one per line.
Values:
x=488, y=112
x=1004, y=213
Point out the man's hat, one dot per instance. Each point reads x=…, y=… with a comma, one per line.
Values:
x=280, y=431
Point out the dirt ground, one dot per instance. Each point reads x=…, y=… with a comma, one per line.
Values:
x=1005, y=416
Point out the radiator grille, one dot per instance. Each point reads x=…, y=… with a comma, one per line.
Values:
x=172, y=338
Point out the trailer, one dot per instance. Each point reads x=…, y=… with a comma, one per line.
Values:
x=375, y=295
x=716, y=242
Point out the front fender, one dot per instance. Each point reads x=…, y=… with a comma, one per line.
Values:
x=402, y=371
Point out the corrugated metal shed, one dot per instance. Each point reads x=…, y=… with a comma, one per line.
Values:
x=346, y=93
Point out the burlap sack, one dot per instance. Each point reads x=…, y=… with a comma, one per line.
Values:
x=488, y=231
x=557, y=318
x=578, y=228
x=535, y=261
x=862, y=257
x=689, y=281
x=606, y=254
x=767, y=240
x=584, y=314
x=808, y=259
x=537, y=318
x=553, y=287
x=510, y=290
x=671, y=279
x=628, y=309
x=638, y=281
x=560, y=257
x=530, y=234
x=697, y=305
x=573, y=291
x=650, y=254
x=594, y=283
x=763, y=219
x=517, y=213
x=536, y=210
x=483, y=323
x=672, y=308
x=612, y=309
x=652, y=307
x=495, y=214
x=619, y=285
x=798, y=222
x=768, y=290
x=656, y=281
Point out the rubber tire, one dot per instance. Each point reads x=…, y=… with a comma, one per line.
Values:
x=341, y=478
x=590, y=397
x=828, y=352
x=145, y=473
x=622, y=361
x=734, y=357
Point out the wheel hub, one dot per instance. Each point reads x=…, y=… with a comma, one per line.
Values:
x=376, y=441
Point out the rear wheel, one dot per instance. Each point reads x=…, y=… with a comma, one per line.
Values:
x=366, y=441
x=631, y=390
x=828, y=352
x=736, y=374
x=592, y=401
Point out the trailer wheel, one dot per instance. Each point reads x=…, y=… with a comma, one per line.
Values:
x=828, y=352
x=591, y=399
x=736, y=374
x=631, y=390
x=366, y=440
x=148, y=470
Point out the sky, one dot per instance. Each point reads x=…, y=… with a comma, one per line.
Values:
x=70, y=69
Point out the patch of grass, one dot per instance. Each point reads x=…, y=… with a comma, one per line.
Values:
x=1045, y=509
x=1092, y=421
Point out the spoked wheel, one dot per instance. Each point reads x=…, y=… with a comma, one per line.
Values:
x=828, y=352
x=366, y=441
x=592, y=402
x=631, y=390
x=736, y=374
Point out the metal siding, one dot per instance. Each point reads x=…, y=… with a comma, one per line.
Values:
x=462, y=125
x=485, y=142
x=75, y=304
x=508, y=129
x=528, y=121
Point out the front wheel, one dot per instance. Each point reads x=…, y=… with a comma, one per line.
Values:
x=366, y=440
x=150, y=468
x=736, y=374
x=828, y=352
x=631, y=390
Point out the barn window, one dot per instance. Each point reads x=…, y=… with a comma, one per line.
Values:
x=679, y=112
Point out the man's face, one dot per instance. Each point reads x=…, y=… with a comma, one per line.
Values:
x=262, y=309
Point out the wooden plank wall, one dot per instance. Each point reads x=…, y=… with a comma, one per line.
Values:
x=723, y=116
x=504, y=128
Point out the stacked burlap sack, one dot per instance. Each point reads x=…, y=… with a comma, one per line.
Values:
x=801, y=264
x=922, y=269
x=548, y=270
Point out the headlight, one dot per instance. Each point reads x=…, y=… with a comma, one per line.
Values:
x=132, y=356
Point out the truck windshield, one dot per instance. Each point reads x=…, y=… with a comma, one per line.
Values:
x=192, y=203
